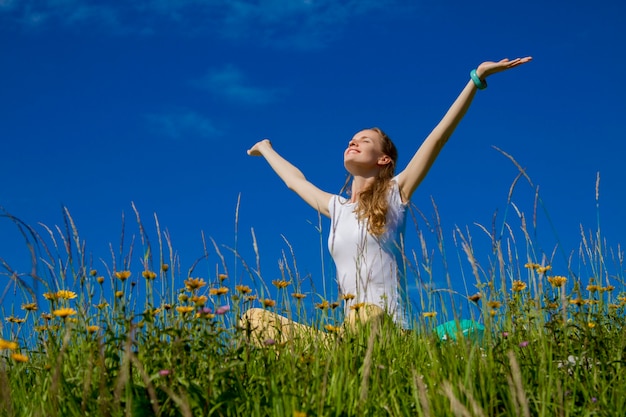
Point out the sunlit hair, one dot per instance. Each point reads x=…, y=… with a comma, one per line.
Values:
x=373, y=201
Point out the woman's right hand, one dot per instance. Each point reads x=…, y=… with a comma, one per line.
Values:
x=256, y=149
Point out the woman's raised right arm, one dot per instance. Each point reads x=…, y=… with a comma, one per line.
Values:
x=293, y=177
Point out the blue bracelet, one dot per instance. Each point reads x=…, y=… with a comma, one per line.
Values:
x=480, y=84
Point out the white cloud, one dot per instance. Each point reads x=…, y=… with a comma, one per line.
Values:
x=279, y=22
x=181, y=125
x=231, y=83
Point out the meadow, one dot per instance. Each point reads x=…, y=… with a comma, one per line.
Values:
x=157, y=340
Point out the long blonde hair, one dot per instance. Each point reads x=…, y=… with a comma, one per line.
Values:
x=373, y=203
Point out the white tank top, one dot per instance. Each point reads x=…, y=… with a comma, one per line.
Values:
x=367, y=266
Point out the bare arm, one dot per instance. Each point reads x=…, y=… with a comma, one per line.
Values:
x=420, y=164
x=293, y=177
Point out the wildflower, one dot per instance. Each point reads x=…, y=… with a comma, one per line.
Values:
x=64, y=312
x=430, y=314
x=523, y=344
x=588, y=302
x=323, y=305
x=557, y=280
x=46, y=316
x=66, y=295
x=185, y=309
x=269, y=342
x=17, y=320
x=164, y=372
x=183, y=298
x=100, y=280
x=494, y=304
x=614, y=306
x=576, y=301
x=298, y=296
x=505, y=334
x=218, y=291
x=193, y=284
x=93, y=272
x=122, y=275
x=334, y=304
x=119, y=294
x=18, y=357
x=357, y=306
x=531, y=265
x=222, y=277
x=251, y=297
x=332, y=329
x=199, y=300
x=591, y=325
x=552, y=305
x=518, y=286
x=280, y=283
x=5, y=344
x=167, y=307
x=50, y=296
x=348, y=296
x=268, y=303
x=608, y=288
x=92, y=329
x=149, y=275
x=543, y=269
x=244, y=289
x=102, y=305
x=299, y=414
x=165, y=267
x=475, y=297
x=222, y=310
x=493, y=312
x=29, y=307
x=593, y=288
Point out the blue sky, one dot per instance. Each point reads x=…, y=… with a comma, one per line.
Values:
x=156, y=102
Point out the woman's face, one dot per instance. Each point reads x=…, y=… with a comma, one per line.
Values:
x=365, y=151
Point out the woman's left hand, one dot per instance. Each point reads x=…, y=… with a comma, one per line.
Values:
x=488, y=68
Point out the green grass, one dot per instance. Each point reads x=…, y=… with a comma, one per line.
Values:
x=129, y=347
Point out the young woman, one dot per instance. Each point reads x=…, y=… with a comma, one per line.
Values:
x=366, y=231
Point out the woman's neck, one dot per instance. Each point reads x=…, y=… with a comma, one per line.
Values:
x=359, y=184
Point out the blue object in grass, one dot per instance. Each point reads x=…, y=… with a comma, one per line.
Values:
x=466, y=328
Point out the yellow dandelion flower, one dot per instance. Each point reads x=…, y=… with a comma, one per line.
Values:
x=430, y=314
x=199, y=300
x=50, y=296
x=268, y=303
x=100, y=280
x=335, y=304
x=494, y=304
x=167, y=307
x=543, y=269
x=165, y=267
x=18, y=357
x=280, y=283
x=66, y=295
x=593, y=288
x=323, y=305
x=576, y=301
x=250, y=297
x=92, y=329
x=348, y=296
x=475, y=298
x=493, y=312
x=244, y=289
x=93, y=273
x=122, y=275
x=299, y=414
x=218, y=291
x=46, y=316
x=298, y=296
x=64, y=312
x=608, y=288
x=357, y=306
x=332, y=329
x=591, y=325
x=185, y=309
x=119, y=294
x=518, y=286
x=5, y=344
x=16, y=320
x=532, y=265
x=29, y=307
x=193, y=284
x=222, y=277
x=149, y=275
x=557, y=280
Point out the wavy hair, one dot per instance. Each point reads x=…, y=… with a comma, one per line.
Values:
x=373, y=201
